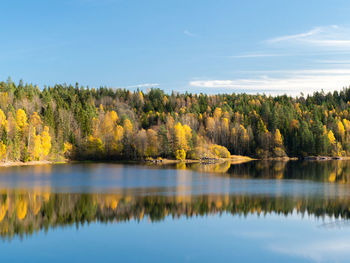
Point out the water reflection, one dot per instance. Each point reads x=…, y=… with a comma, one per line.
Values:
x=43, y=197
x=25, y=212
x=323, y=171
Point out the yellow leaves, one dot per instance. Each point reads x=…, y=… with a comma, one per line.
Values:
x=346, y=125
x=128, y=126
x=180, y=154
x=325, y=130
x=67, y=147
x=95, y=144
x=210, y=124
x=119, y=133
x=42, y=144
x=4, y=99
x=244, y=133
x=225, y=125
x=22, y=208
x=45, y=141
x=2, y=150
x=263, y=127
x=152, y=143
x=3, y=210
x=95, y=127
x=220, y=151
x=182, y=110
x=233, y=131
x=182, y=133
x=114, y=116
x=108, y=123
x=278, y=138
x=331, y=137
x=341, y=129
x=21, y=119
x=217, y=113
x=37, y=150
x=3, y=121
x=101, y=108
x=188, y=131
x=35, y=120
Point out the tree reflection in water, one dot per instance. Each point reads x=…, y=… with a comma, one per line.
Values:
x=23, y=212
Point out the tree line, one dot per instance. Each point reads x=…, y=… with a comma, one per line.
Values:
x=82, y=123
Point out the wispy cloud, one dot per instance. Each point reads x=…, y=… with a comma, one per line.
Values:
x=281, y=82
x=143, y=85
x=333, y=36
x=296, y=36
x=259, y=55
x=190, y=34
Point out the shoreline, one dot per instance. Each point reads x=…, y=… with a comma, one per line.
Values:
x=235, y=159
x=12, y=164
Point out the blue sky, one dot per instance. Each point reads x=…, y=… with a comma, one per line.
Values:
x=272, y=47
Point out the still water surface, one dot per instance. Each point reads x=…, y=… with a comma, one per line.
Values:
x=251, y=212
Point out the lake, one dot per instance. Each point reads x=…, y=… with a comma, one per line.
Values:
x=260, y=211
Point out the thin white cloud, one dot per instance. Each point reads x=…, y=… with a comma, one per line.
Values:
x=143, y=85
x=281, y=82
x=328, y=37
x=332, y=61
x=259, y=55
x=296, y=36
x=188, y=33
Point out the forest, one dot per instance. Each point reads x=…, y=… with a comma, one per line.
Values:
x=80, y=123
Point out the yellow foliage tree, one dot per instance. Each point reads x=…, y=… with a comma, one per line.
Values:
x=37, y=149
x=114, y=116
x=278, y=138
x=118, y=136
x=108, y=123
x=67, y=147
x=180, y=137
x=346, y=125
x=152, y=143
x=3, y=121
x=2, y=151
x=21, y=119
x=45, y=142
x=217, y=113
x=180, y=154
x=35, y=120
x=331, y=137
x=341, y=129
x=127, y=127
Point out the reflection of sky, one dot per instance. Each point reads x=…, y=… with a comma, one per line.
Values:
x=225, y=238
x=143, y=180
x=209, y=238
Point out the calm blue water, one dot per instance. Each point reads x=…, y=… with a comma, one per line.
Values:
x=257, y=212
